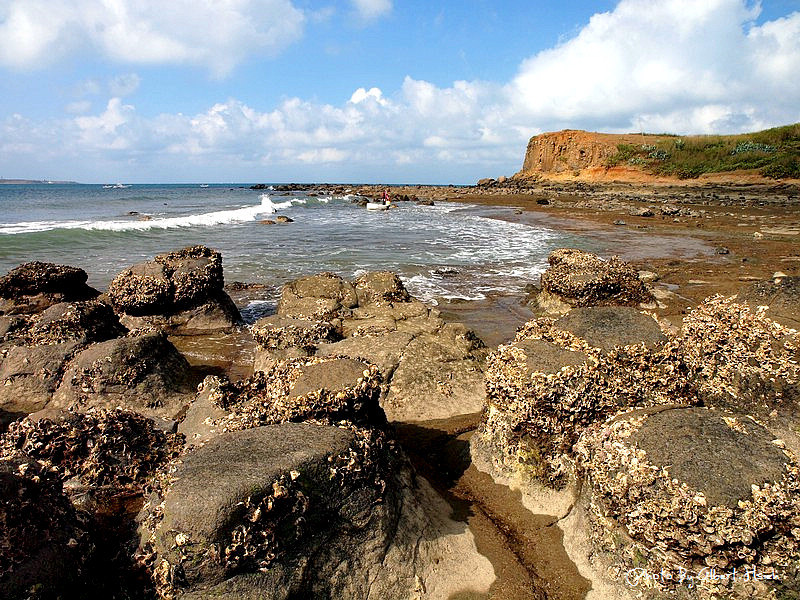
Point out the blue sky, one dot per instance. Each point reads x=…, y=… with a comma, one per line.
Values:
x=371, y=90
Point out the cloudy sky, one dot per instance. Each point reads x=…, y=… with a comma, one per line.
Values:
x=371, y=90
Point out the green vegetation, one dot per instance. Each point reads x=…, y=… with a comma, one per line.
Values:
x=775, y=152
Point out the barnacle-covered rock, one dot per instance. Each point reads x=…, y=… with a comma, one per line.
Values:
x=101, y=453
x=144, y=373
x=179, y=291
x=742, y=360
x=301, y=510
x=33, y=286
x=330, y=389
x=320, y=297
x=82, y=322
x=549, y=384
x=252, y=499
x=380, y=287
x=576, y=278
x=43, y=544
x=280, y=337
x=685, y=490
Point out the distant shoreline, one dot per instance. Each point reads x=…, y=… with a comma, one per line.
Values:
x=33, y=181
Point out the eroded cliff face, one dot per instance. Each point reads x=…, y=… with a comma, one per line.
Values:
x=574, y=150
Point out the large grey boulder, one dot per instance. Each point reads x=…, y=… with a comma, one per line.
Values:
x=33, y=286
x=300, y=510
x=180, y=291
x=144, y=373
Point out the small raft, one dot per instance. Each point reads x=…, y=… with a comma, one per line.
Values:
x=377, y=206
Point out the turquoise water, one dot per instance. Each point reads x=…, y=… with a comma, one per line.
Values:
x=446, y=251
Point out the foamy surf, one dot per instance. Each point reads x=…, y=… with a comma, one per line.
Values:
x=220, y=217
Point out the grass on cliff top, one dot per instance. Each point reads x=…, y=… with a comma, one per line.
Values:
x=774, y=152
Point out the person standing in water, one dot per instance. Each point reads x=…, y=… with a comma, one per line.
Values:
x=386, y=199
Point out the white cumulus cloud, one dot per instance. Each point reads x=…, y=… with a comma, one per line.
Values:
x=212, y=34
x=372, y=9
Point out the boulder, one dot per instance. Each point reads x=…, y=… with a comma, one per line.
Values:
x=317, y=297
x=548, y=385
x=741, y=360
x=43, y=545
x=782, y=296
x=81, y=322
x=437, y=377
x=29, y=375
x=280, y=337
x=608, y=327
x=578, y=279
x=680, y=491
x=181, y=292
x=382, y=350
x=306, y=511
x=380, y=287
x=144, y=373
x=328, y=389
x=33, y=286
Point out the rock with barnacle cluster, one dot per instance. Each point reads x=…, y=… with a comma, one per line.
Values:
x=550, y=384
x=33, y=286
x=576, y=278
x=321, y=297
x=781, y=295
x=292, y=475
x=740, y=359
x=36, y=348
x=278, y=338
x=43, y=544
x=180, y=291
x=688, y=493
x=69, y=502
x=144, y=373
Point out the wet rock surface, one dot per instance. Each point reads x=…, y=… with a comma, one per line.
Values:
x=781, y=295
x=608, y=327
x=180, y=291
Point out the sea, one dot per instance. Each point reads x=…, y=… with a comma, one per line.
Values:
x=449, y=251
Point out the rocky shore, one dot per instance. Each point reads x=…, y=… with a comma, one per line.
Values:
x=629, y=441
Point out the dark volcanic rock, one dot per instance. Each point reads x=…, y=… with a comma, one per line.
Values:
x=33, y=286
x=607, y=327
x=143, y=373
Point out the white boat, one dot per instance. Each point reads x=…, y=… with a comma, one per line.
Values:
x=377, y=206
x=203, y=185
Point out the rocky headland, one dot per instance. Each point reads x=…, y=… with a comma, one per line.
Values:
x=634, y=436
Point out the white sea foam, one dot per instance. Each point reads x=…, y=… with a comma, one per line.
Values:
x=220, y=217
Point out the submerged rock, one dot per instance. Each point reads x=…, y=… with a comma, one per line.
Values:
x=33, y=286
x=179, y=291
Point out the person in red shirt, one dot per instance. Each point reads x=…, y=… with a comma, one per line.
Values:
x=386, y=199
